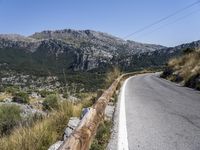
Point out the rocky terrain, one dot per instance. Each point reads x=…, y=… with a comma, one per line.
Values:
x=64, y=53
x=69, y=49
x=82, y=50
x=52, y=70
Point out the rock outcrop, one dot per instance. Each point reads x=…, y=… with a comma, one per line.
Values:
x=81, y=50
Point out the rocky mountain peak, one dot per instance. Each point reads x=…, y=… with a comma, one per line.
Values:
x=85, y=50
x=16, y=37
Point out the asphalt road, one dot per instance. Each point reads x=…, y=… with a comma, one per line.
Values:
x=161, y=115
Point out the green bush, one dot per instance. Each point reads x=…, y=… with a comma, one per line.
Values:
x=12, y=89
x=51, y=102
x=102, y=136
x=41, y=134
x=21, y=97
x=96, y=146
x=45, y=93
x=9, y=118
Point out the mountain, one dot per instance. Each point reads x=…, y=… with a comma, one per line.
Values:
x=80, y=50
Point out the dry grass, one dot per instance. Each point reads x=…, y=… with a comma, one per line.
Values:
x=41, y=134
x=4, y=95
x=187, y=65
x=185, y=69
x=113, y=74
x=87, y=101
x=44, y=133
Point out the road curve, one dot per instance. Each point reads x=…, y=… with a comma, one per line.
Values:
x=161, y=115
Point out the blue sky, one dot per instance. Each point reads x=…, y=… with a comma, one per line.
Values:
x=117, y=17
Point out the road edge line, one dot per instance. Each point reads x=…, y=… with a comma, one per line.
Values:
x=122, y=128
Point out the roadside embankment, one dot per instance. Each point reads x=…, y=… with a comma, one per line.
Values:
x=185, y=69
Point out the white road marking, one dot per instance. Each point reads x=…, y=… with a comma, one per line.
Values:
x=122, y=130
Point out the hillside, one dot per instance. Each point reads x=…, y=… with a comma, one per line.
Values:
x=80, y=50
x=72, y=50
x=51, y=76
x=185, y=69
x=75, y=56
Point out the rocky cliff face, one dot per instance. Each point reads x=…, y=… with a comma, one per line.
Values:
x=79, y=50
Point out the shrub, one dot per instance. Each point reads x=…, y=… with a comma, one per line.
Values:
x=193, y=82
x=167, y=72
x=44, y=132
x=12, y=89
x=21, y=97
x=102, y=136
x=185, y=68
x=9, y=118
x=45, y=93
x=41, y=134
x=51, y=102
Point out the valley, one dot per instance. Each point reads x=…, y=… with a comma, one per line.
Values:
x=49, y=70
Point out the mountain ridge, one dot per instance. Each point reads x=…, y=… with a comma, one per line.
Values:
x=82, y=50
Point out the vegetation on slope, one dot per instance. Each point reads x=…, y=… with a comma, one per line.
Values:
x=102, y=136
x=9, y=118
x=41, y=134
x=185, y=69
x=45, y=131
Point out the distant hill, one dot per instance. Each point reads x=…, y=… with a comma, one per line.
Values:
x=84, y=50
